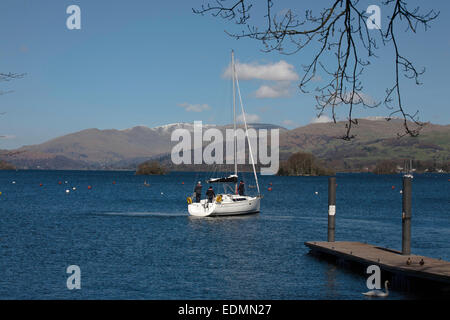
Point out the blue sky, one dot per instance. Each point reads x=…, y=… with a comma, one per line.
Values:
x=155, y=62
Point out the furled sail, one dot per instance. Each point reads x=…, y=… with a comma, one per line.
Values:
x=231, y=178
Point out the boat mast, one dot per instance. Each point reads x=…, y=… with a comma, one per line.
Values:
x=246, y=133
x=234, y=118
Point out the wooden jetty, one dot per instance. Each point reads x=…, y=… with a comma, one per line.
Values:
x=391, y=261
x=406, y=271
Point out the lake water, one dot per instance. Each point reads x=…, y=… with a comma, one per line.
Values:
x=136, y=242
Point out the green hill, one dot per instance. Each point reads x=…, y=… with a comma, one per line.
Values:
x=375, y=141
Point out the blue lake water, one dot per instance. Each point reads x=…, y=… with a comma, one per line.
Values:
x=137, y=242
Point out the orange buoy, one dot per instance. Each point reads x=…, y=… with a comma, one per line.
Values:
x=270, y=183
x=59, y=182
x=114, y=182
x=89, y=187
x=393, y=187
x=182, y=182
x=269, y=189
x=40, y=184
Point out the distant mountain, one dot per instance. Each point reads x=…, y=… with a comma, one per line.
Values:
x=376, y=139
x=104, y=149
x=6, y=166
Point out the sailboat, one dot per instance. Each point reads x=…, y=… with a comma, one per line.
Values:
x=229, y=204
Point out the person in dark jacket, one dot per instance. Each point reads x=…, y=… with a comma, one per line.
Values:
x=241, y=188
x=198, y=191
x=210, y=194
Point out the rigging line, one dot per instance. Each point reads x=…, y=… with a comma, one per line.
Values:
x=246, y=134
x=234, y=76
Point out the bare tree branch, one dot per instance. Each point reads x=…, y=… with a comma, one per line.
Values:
x=340, y=31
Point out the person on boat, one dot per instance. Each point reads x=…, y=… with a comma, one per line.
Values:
x=241, y=188
x=198, y=191
x=210, y=194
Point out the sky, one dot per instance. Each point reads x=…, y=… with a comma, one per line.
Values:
x=151, y=63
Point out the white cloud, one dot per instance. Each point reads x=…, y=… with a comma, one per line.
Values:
x=278, y=71
x=277, y=91
x=365, y=98
x=194, y=107
x=321, y=119
x=360, y=97
x=250, y=118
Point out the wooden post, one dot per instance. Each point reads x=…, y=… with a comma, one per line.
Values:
x=331, y=207
x=406, y=215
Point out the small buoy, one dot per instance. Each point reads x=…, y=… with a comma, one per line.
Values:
x=65, y=181
x=401, y=191
x=67, y=190
x=162, y=192
x=0, y=193
x=89, y=187
x=74, y=188
x=13, y=182
x=393, y=187
x=316, y=192
x=269, y=189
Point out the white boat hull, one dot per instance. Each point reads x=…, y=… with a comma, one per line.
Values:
x=230, y=205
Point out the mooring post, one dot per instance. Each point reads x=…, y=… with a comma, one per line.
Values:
x=406, y=215
x=331, y=207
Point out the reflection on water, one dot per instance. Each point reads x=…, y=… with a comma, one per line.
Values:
x=331, y=287
x=226, y=218
x=142, y=214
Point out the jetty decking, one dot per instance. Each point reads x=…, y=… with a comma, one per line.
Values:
x=392, y=261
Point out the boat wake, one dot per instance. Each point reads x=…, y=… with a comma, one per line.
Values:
x=143, y=214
